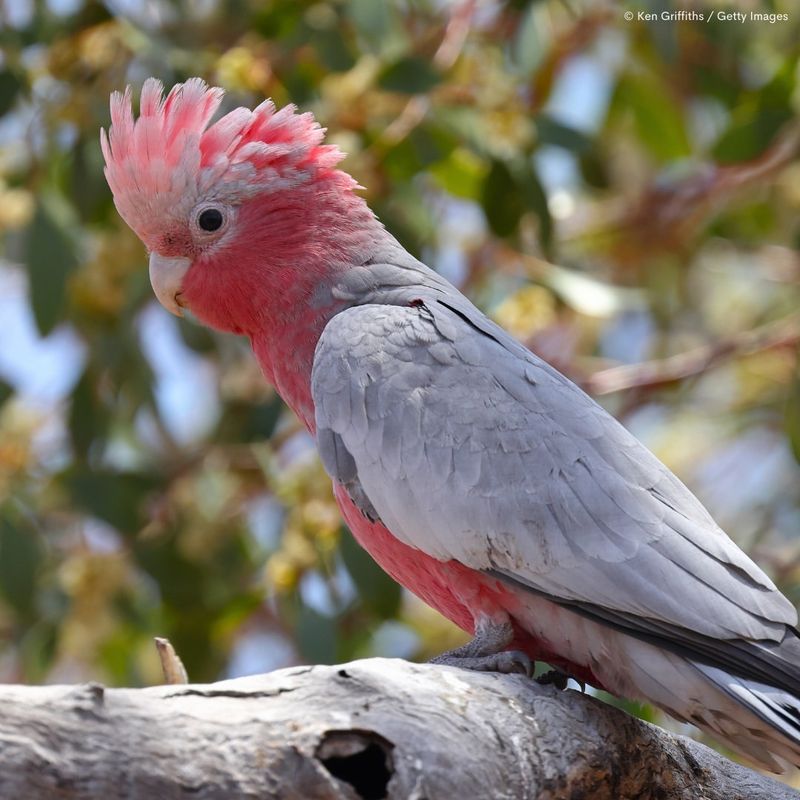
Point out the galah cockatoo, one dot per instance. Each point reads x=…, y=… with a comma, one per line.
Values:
x=475, y=474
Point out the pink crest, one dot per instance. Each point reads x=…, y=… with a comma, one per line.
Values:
x=168, y=159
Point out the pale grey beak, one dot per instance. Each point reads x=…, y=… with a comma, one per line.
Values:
x=166, y=278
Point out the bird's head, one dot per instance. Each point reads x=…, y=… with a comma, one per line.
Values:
x=219, y=207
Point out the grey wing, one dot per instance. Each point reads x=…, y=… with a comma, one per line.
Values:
x=471, y=448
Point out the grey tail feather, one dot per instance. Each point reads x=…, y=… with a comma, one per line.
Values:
x=778, y=708
x=775, y=664
x=762, y=676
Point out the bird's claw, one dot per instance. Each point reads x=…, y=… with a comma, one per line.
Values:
x=559, y=679
x=509, y=662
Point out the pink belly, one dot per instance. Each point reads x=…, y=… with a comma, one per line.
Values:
x=453, y=589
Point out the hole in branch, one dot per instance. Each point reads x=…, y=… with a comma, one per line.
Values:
x=361, y=758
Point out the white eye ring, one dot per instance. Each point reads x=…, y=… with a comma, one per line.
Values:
x=211, y=219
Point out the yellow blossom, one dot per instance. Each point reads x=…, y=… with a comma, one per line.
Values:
x=526, y=311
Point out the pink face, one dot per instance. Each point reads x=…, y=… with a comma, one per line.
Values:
x=200, y=238
x=185, y=187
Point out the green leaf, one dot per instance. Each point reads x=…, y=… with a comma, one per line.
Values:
x=410, y=75
x=10, y=87
x=88, y=419
x=423, y=147
x=528, y=47
x=509, y=191
x=656, y=114
x=749, y=134
x=553, y=132
x=721, y=84
x=50, y=258
x=301, y=83
x=464, y=122
x=372, y=19
x=502, y=201
x=85, y=181
x=6, y=391
x=181, y=581
x=116, y=497
x=462, y=174
x=333, y=50
x=792, y=417
x=594, y=169
x=379, y=593
x=244, y=422
x=38, y=649
x=196, y=336
x=407, y=216
x=316, y=636
x=20, y=557
x=757, y=119
x=536, y=200
x=276, y=23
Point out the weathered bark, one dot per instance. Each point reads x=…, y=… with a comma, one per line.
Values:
x=369, y=729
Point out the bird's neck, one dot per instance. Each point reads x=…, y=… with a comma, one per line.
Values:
x=286, y=355
x=293, y=299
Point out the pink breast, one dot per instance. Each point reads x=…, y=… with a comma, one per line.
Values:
x=453, y=589
x=448, y=586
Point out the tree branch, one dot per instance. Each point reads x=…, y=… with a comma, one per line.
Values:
x=775, y=335
x=370, y=729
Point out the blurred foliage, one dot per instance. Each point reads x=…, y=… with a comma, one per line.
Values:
x=614, y=192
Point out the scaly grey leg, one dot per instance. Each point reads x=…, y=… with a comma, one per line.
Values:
x=485, y=652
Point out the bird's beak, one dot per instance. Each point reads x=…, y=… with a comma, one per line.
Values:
x=166, y=278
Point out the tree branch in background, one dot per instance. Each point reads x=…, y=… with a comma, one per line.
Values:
x=369, y=729
x=667, y=218
x=782, y=333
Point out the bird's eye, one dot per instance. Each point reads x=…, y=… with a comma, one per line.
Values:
x=210, y=219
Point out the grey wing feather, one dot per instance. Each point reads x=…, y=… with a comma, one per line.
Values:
x=470, y=447
x=341, y=466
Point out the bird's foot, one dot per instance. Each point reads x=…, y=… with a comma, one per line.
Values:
x=559, y=679
x=508, y=662
x=485, y=652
